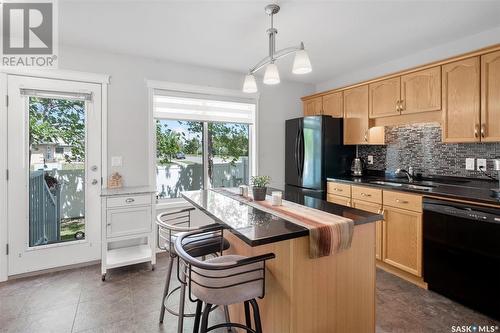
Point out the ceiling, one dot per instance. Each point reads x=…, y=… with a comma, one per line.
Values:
x=340, y=36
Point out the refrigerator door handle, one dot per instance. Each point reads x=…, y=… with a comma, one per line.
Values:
x=301, y=153
x=296, y=153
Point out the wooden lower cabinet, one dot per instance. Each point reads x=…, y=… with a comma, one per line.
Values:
x=339, y=200
x=402, y=239
x=373, y=208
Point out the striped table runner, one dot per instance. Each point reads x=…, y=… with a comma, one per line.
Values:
x=328, y=233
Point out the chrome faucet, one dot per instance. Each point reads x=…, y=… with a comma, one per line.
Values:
x=403, y=171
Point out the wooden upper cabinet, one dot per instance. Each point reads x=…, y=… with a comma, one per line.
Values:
x=384, y=98
x=461, y=107
x=313, y=106
x=421, y=91
x=490, y=97
x=333, y=105
x=356, y=115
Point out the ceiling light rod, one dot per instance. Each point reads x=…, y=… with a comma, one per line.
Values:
x=274, y=55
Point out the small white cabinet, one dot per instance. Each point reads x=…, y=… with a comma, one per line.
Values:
x=128, y=233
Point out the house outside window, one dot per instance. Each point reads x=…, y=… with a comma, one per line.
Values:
x=201, y=141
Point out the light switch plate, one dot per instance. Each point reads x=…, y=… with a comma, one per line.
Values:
x=370, y=159
x=481, y=164
x=116, y=161
x=469, y=164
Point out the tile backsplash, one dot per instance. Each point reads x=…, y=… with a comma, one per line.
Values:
x=420, y=146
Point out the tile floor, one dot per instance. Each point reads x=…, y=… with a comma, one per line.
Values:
x=77, y=301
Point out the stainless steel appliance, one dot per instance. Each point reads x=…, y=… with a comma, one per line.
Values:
x=314, y=151
x=462, y=253
x=357, y=166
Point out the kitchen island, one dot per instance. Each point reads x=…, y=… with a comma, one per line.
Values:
x=333, y=293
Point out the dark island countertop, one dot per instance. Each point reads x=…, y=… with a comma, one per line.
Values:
x=257, y=227
x=474, y=190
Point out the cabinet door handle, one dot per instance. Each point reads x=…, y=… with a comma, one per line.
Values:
x=476, y=131
x=401, y=201
x=129, y=200
x=398, y=105
x=366, y=136
x=483, y=130
x=338, y=189
x=363, y=194
x=402, y=105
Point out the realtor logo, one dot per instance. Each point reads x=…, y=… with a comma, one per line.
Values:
x=29, y=36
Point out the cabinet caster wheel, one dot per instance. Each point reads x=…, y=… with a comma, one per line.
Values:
x=103, y=277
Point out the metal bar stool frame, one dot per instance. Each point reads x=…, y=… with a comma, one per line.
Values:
x=192, y=264
x=169, y=224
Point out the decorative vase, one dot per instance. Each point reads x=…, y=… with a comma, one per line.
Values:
x=259, y=193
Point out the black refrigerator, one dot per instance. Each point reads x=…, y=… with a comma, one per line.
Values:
x=314, y=151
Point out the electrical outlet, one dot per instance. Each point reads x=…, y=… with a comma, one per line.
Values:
x=469, y=164
x=116, y=161
x=481, y=164
x=370, y=159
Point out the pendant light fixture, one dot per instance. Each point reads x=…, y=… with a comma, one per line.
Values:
x=301, y=63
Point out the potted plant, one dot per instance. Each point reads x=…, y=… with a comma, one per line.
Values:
x=259, y=187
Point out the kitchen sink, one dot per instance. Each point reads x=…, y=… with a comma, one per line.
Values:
x=379, y=182
x=403, y=185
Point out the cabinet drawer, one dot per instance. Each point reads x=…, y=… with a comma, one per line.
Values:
x=133, y=200
x=339, y=189
x=403, y=200
x=339, y=200
x=128, y=221
x=367, y=194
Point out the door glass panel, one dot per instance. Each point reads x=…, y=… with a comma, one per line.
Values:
x=179, y=157
x=228, y=148
x=57, y=170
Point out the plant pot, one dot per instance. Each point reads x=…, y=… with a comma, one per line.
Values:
x=259, y=193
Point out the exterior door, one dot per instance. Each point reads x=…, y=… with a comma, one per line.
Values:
x=54, y=161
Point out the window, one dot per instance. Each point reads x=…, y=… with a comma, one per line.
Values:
x=59, y=150
x=201, y=141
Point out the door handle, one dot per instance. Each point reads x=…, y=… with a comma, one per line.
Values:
x=94, y=182
x=93, y=168
x=476, y=131
x=483, y=130
x=129, y=200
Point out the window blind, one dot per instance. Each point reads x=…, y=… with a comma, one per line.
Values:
x=185, y=106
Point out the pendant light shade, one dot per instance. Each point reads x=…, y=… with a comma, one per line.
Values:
x=272, y=76
x=301, y=63
x=250, y=85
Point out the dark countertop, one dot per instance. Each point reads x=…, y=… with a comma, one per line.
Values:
x=257, y=227
x=474, y=190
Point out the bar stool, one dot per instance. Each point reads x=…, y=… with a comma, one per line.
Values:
x=222, y=281
x=170, y=224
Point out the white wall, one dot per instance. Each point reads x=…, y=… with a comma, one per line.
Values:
x=128, y=106
x=467, y=44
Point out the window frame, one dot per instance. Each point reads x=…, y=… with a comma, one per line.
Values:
x=202, y=91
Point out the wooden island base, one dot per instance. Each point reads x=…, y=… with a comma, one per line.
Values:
x=334, y=294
